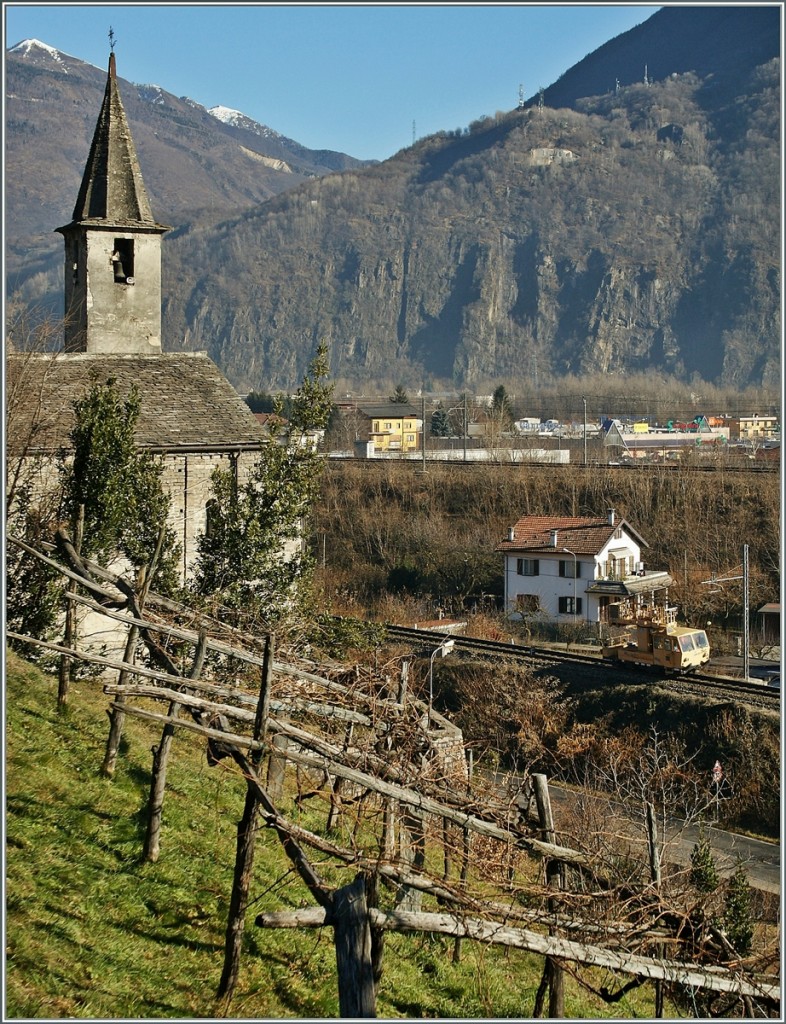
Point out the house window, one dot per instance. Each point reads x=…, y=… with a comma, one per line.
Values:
x=123, y=260
x=566, y=569
x=570, y=606
x=527, y=602
x=410, y=437
x=527, y=567
x=618, y=533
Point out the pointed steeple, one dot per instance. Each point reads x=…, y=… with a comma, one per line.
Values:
x=112, y=245
x=112, y=187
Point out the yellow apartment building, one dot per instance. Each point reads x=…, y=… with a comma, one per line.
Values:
x=393, y=427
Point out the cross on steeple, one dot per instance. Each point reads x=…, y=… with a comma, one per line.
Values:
x=111, y=39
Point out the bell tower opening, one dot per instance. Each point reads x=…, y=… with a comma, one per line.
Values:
x=123, y=260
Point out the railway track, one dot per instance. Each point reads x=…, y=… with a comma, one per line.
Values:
x=590, y=667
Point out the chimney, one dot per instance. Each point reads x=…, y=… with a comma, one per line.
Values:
x=611, y=516
x=511, y=533
x=553, y=538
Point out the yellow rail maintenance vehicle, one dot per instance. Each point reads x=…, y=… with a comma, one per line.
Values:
x=650, y=636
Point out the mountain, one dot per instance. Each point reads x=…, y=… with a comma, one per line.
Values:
x=196, y=163
x=718, y=43
x=632, y=228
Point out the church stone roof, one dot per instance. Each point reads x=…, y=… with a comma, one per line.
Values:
x=185, y=401
x=112, y=192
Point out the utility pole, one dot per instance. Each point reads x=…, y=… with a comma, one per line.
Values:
x=423, y=428
x=465, y=426
x=746, y=641
x=746, y=636
x=584, y=400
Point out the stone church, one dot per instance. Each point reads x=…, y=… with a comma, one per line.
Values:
x=190, y=417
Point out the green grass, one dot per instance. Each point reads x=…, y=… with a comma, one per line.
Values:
x=92, y=932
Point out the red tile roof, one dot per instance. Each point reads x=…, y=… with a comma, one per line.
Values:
x=582, y=535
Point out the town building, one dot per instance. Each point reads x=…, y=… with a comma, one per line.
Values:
x=390, y=427
x=576, y=569
x=755, y=427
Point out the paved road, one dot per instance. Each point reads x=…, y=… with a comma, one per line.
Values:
x=762, y=860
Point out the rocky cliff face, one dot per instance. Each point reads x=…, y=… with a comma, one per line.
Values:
x=634, y=230
x=470, y=258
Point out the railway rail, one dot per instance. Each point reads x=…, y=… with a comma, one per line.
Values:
x=591, y=666
x=660, y=467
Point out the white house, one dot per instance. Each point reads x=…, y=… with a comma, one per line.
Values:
x=576, y=569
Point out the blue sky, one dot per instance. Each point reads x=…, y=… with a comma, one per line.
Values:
x=347, y=77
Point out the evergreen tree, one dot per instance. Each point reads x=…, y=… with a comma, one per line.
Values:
x=737, y=916
x=33, y=590
x=400, y=397
x=501, y=407
x=260, y=401
x=249, y=559
x=440, y=422
x=703, y=873
x=119, y=486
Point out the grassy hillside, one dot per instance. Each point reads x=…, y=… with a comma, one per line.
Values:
x=94, y=933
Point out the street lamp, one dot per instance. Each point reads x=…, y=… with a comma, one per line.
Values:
x=569, y=552
x=442, y=650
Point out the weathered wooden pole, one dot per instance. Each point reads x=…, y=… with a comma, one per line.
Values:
x=413, y=851
x=352, y=937
x=160, y=760
x=335, y=790
x=552, y=973
x=654, y=854
x=277, y=761
x=464, y=854
x=246, y=840
x=70, y=625
x=117, y=715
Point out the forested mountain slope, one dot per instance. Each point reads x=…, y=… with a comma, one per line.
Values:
x=640, y=233
x=192, y=160
x=636, y=229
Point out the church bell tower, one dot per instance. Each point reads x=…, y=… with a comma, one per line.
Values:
x=113, y=246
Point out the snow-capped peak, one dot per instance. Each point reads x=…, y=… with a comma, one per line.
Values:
x=236, y=119
x=29, y=47
x=227, y=114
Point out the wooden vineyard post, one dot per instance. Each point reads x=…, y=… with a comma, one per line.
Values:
x=69, y=637
x=464, y=854
x=552, y=972
x=246, y=839
x=413, y=837
x=335, y=790
x=352, y=937
x=655, y=876
x=160, y=760
x=277, y=761
x=117, y=715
